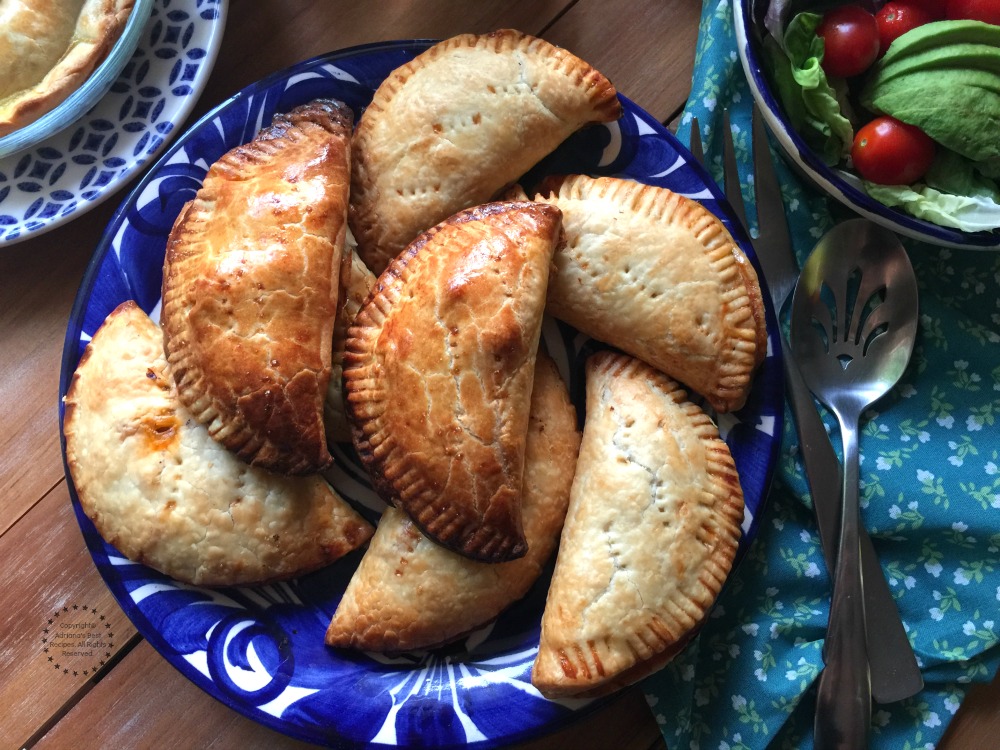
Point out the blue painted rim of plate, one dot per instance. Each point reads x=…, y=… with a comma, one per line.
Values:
x=234, y=638
x=828, y=178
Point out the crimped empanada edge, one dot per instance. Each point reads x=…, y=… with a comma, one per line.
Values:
x=660, y=636
x=743, y=303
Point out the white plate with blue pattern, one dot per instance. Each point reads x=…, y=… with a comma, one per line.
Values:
x=77, y=168
x=259, y=649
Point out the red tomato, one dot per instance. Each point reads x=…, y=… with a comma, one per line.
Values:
x=850, y=38
x=895, y=19
x=889, y=152
x=935, y=8
x=977, y=10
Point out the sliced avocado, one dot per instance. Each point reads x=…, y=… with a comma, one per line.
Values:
x=963, y=56
x=958, y=109
x=937, y=34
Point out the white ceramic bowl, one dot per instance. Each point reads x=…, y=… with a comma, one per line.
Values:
x=842, y=185
x=73, y=107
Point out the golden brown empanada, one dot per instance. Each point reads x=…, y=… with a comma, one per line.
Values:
x=658, y=276
x=438, y=373
x=650, y=535
x=48, y=49
x=166, y=495
x=457, y=124
x=410, y=593
x=250, y=289
x=356, y=282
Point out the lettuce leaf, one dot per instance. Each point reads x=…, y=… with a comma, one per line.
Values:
x=953, y=173
x=809, y=99
x=969, y=213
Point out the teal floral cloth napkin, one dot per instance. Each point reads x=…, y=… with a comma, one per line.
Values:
x=930, y=498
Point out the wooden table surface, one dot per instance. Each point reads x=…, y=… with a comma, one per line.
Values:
x=131, y=697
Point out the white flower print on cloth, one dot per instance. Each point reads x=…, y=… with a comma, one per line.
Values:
x=931, y=498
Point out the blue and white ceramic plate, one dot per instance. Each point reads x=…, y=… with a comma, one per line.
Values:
x=260, y=649
x=77, y=168
x=839, y=183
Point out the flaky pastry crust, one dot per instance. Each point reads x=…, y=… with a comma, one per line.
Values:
x=457, y=124
x=650, y=534
x=165, y=494
x=409, y=593
x=48, y=49
x=438, y=372
x=657, y=275
x=250, y=287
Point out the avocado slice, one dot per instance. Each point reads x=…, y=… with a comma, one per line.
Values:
x=938, y=34
x=964, y=56
x=960, y=109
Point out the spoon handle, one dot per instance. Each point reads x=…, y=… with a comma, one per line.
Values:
x=843, y=710
x=892, y=665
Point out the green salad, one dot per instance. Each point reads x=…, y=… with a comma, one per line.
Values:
x=919, y=125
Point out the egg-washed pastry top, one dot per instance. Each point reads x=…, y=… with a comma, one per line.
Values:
x=438, y=370
x=250, y=287
x=657, y=275
x=650, y=535
x=457, y=124
x=165, y=494
x=410, y=593
x=48, y=48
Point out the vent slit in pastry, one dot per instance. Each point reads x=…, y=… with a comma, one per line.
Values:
x=167, y=495
x=500, y=103
x=250, y=289
x=438, y=372
x=629, y=589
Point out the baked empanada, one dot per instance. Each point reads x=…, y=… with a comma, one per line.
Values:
x=410, y=593
x=655, y=274
x=250, y=286
x=438, y=372
x=457, y=124
x=48, y=49
x=650, y=534
x=165, y=494
x=356, y=282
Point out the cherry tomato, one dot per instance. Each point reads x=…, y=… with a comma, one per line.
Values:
x=934, y=8
x=896, y=18
x=889, y=152
x=850, y=37
x=977, y=10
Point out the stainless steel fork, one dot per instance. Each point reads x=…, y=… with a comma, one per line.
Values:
x=893, y=666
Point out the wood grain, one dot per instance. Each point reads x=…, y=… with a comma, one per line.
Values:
x=53, y=606
x=646, y=47
x=38, y=280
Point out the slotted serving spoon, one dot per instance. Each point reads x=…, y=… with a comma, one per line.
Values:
x=854, y=320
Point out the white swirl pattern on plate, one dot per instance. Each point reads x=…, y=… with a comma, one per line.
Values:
x=76, y=169
x=260, y=649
